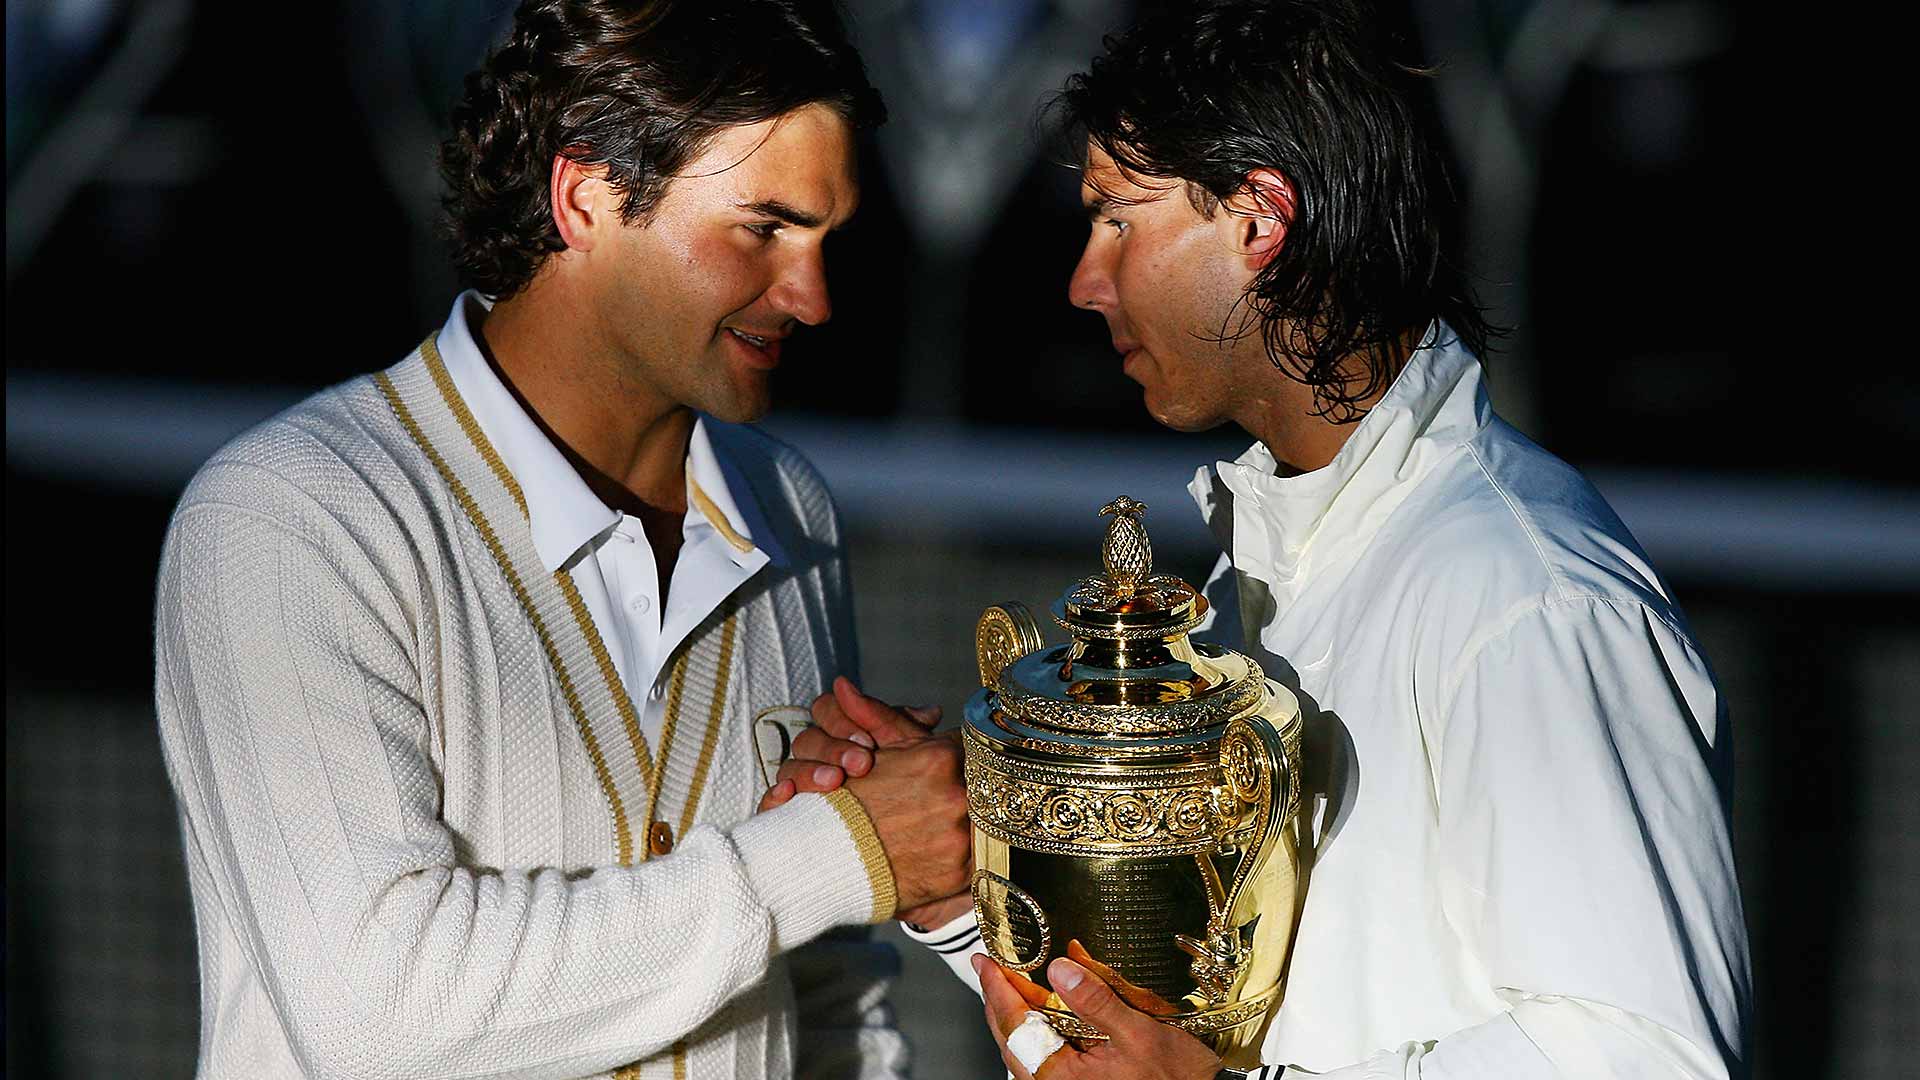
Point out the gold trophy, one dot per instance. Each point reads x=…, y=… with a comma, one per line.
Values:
x=1135, y=798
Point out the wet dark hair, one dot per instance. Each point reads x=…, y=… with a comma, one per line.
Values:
x=1206, y=93
x=640, y=87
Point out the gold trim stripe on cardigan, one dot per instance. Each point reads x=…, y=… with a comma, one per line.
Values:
x=714, y=647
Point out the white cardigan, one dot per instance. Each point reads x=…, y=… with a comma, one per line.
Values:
x=412, y=793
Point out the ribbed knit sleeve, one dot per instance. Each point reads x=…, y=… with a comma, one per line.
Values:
x=294, y=711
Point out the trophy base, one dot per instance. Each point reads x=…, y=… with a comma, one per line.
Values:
x=1226, y=1029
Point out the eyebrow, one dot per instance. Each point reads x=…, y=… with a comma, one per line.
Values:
x=776, y=209
x=1096, y=207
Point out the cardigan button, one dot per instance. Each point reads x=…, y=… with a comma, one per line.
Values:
x=660, y=838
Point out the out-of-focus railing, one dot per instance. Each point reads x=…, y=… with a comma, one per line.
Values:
x=1040, y=486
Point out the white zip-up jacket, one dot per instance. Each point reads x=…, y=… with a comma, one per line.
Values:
x=1518, y=763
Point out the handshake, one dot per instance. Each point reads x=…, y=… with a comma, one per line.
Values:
x=909, y=780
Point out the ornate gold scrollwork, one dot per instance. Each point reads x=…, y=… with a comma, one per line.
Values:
x=1257, y=779
x=1067, y=812
x=1198, y=1024
x=1168, y=718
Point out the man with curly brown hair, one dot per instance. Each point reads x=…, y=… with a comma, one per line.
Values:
x=463, y=667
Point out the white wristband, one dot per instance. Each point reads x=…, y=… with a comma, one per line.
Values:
x=1034, y=1041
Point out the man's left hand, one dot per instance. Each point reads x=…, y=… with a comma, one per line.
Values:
x=1138, y=1047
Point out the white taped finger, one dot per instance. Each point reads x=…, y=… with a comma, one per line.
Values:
x=1033, y=1042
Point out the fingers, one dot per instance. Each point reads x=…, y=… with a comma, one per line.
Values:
x=927, y=715
x=777, y=795
x=1093, y=1000
x=1005, y=1006
x=1005, y=1009
x=829, y=717
x=816, y=745
x=1035, y=994
x=885, y=723
x=810, y=776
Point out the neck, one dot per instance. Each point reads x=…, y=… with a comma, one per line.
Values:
x=626, y=441
x=1301, y=440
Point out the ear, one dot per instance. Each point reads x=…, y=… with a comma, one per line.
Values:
x=1254, y=220
x=583, y=203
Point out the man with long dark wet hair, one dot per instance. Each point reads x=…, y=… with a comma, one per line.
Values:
x=1517, y=758
x=465, y=667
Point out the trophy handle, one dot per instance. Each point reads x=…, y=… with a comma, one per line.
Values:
x=1000, y=908
x=1260, y=766
x=1005, y=633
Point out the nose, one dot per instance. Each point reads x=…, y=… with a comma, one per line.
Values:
x=802, y=290
x=1091, y=285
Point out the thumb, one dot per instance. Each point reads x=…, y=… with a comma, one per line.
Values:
x=778, y=795
x=1091, y=999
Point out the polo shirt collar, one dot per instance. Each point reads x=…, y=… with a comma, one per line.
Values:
x=564, y=515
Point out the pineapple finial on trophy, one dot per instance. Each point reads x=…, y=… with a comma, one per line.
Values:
x=1127, y=555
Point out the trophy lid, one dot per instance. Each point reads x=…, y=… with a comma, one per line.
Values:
x=1130, y=673
x=1129, y=602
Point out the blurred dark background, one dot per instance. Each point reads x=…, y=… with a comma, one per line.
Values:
x=213, y=210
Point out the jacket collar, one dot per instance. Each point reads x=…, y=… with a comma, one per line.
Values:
x=1278, y=528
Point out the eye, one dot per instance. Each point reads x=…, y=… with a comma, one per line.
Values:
x=1118, y=225
x=763, y=229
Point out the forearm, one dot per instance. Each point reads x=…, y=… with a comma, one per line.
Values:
x=447, y=970
x=300, y=747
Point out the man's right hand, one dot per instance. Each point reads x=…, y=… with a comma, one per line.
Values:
x=909, y=781
x=847, y=727
x=917, y=798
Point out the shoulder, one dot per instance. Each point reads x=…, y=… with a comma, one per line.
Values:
x=1504, y=538
x=1531, y=575
x=328, y=449
x=1506, y=519
x=336, y=472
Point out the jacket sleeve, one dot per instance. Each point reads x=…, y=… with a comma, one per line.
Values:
x=955, y=944
x=294, y=718
x=1580, y=777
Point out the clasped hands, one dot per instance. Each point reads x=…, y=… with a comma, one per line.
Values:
x=911, y=782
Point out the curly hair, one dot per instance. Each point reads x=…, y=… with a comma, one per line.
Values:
x=1302, y=87
x=639, y=87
